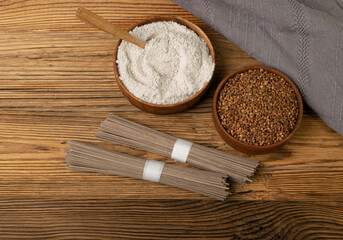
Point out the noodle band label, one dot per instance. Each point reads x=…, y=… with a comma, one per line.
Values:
x=153, y=170
x=181, y=150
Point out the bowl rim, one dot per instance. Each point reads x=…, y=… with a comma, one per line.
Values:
x=249, y=147
x=178, y=20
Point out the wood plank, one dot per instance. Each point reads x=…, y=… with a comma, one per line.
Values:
x=32, y=149
x=165, y=219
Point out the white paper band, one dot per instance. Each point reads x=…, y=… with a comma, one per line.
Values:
x=152, y=170
x=181, y=150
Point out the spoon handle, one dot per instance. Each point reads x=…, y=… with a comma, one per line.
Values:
x=102, y=24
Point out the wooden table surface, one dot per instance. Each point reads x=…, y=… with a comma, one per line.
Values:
x=57, y=84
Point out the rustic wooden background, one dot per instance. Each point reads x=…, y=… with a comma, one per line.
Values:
x=57, y=84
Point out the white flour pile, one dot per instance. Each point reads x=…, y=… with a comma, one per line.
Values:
x=175, y=64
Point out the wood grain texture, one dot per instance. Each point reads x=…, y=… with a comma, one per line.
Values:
x=57, y=84
x=170, y=219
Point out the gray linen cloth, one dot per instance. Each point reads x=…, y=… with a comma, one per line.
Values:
x=303, y=39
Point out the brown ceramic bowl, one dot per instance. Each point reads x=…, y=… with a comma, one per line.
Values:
x=170, y=108
x=243, y=147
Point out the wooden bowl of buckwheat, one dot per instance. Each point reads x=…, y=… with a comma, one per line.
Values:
x=257, y=109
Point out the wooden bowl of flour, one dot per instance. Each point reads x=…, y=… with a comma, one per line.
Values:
x=168, y=108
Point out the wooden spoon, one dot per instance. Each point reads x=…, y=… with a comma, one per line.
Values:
x=102, y=24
